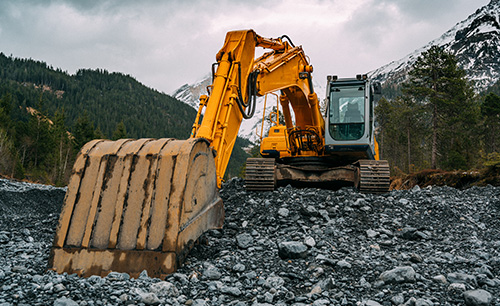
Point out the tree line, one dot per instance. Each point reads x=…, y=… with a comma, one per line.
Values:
x=47, y=115
x=437, y=120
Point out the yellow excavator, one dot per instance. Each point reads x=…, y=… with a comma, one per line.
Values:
x=135, y=205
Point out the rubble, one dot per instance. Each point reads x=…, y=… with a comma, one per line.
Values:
x=429, y=246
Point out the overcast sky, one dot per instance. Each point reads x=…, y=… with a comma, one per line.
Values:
x=165, y=44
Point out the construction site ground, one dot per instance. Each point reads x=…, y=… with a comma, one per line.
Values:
x=423, y=246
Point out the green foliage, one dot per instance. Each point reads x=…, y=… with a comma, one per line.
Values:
x=435, y=121
x=490, y=111
x=120, y=131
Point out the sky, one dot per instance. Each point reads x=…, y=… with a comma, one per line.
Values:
x=167, y=43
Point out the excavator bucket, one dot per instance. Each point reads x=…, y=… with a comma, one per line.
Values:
x=135, y=205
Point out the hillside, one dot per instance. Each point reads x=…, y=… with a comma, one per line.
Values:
x=90, y=104
x=108, y=98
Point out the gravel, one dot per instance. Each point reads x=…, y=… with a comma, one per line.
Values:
x=430, y=246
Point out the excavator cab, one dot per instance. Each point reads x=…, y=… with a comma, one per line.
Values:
x=349, y=123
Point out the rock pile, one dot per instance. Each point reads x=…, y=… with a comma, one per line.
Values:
x=432, y=246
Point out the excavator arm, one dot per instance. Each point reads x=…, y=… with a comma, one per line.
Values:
x=239, y=78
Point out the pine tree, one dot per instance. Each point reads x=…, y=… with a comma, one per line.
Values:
x=437, y=83
x=120, y=131
x=490, y=110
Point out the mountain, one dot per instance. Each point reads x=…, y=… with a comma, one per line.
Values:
x=475, y=42
x=250, y=128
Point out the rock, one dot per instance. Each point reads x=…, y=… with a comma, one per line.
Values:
x=371, y=233
x=143, y=275
x=310, y=210
x=211, y=272
x=149, y=299
x=343, y=264
x=64, y=301
x=117, y=276
x=440, y=279
x=415, y=258
x=4, y=238
x=309, y=241
x=164, y=288
x=244, y=240
x=234, y=291
x=398, y=299
x=457, y=287
x=268, y=297
x=239, y=267
x=274, y=282
x=59, y=288
x=478, y=297
x=292, y=250
x=423, y=302
x=20, y=269
x=371, y=303
x=283, y=212
x=199, y=302
x=398, y=275
x=457, y=277
x=409, y=233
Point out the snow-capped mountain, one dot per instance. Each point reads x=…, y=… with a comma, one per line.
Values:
x=250, y=128
x=475, y=42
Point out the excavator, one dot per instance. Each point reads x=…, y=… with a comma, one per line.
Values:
x=135, y=205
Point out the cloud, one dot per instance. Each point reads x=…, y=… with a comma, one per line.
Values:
x=165, y=44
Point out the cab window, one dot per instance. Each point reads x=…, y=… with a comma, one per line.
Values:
x=346, y=112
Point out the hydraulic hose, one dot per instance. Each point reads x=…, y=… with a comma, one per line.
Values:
x=251, y=92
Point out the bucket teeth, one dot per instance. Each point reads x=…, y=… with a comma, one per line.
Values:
x=135, y=205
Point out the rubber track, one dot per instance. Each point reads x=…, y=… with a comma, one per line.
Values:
x=374, y=176
x=260, y=174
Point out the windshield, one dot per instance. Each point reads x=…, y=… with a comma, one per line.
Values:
x=347, y=109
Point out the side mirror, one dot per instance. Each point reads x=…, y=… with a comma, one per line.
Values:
x=377, y=88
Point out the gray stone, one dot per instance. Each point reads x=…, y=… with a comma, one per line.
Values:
x=274, y=282
x=230, y=290
x=164, y=288
x=398, y=275
x=292, y=250
x=423, y=302
x=478, y=297
x=321, y=302
x=344, y=264
x=211, y=272
x=398, y=299
x=457, y=277
x=199, y=302
x=143, y=275
x=371, y=233
x=457, y=287
x=268, y=297
x=149, y=298
x=283, y=212
x=239, y=267
x=117, y=276
x=59, y=288
x=309, y=241
x=20, y=269
x=440, y=279
x=244, y=240
x=64, y=301
x=371, y=303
